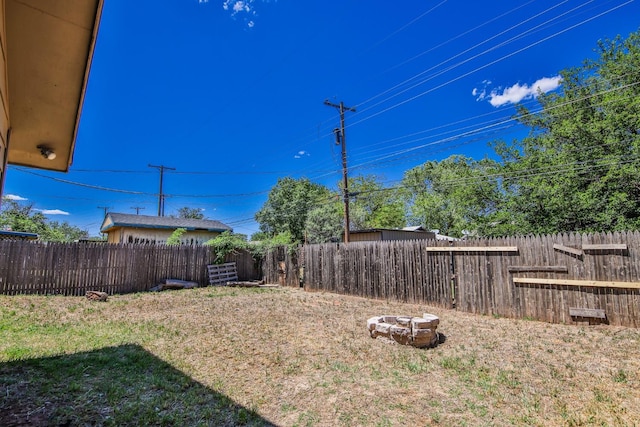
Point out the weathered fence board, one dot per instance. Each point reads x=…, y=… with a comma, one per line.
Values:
x=74, y=268
x=528, y=283
x=402, y=271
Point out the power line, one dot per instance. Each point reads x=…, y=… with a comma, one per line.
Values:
x=386, y=158
x=458, y=36
x=505, y=123
x=407, y=25
x=225, y=173
x=520, y=35
x=535, y=43
x=486, y=40
x=485, y=65
x=94, y=187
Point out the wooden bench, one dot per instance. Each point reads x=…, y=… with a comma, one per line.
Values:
x=221, y=274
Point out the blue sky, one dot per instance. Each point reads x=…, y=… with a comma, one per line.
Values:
x=230, y=94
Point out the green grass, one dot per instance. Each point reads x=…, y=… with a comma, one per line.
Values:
x=92, y=370
x=114, y=386
x=226, y=357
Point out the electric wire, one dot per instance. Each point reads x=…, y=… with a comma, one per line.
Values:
x=412, y=98
x=379, y=160
x=382, y=159
x=360, y=105
x=493, y=62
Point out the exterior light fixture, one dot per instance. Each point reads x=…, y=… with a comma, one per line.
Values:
x=46, y=152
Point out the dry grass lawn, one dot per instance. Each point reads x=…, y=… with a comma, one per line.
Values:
x=292, y=358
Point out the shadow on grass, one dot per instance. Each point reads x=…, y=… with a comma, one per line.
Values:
x=113, y=386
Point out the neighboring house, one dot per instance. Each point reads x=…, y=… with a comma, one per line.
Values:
x=130, y=228
x=383, y=234
x=46, y=48
x=17, y=235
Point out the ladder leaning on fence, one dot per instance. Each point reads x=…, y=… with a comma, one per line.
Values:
x=221, y=274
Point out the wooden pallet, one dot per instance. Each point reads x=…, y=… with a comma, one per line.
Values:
x=222, y=274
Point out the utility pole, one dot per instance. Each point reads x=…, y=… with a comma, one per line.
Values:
x=161, y=168
x=137, y=208
x=106, y=209
x=342, y=140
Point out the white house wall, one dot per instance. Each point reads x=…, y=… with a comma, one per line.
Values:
x=152, y=236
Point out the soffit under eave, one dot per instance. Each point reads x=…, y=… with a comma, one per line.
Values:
x=50, y=45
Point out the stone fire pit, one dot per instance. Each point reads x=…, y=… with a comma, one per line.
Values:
x=406, y=330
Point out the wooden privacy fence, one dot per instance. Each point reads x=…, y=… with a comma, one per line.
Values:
x=549, y=275
x=281, y=265
x=396, y=270
x=74, y=268
x=553, y=278
x=546, y=278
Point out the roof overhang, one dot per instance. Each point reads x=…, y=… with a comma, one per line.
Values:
x=115, y=226
x=50, y=45
x=6, y=234
x=379, y=230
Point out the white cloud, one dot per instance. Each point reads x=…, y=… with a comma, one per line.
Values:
x=517, y=92
x=242, y=8
x=52, y=212
x=547, y=84
x=301, y=154
x=237, y=6
x=510, y=95
x=479, y=94
x=13, y=197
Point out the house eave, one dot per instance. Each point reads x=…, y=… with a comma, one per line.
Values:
x=50, y=46
x=18, y=234
x=160, y=227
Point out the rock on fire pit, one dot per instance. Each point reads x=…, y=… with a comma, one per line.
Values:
x=406, y=330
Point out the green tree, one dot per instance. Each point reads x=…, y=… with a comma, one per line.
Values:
x=456, y=195
x=62, y=232
x=174, y=238
x=325, y=223
x=372, y=205
x=226, y=243
x=288, y=205
x=23, y=217
x=578, y=168
x=259, y=236
x=190, y=213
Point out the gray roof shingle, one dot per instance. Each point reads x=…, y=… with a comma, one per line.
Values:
x=146, y=221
